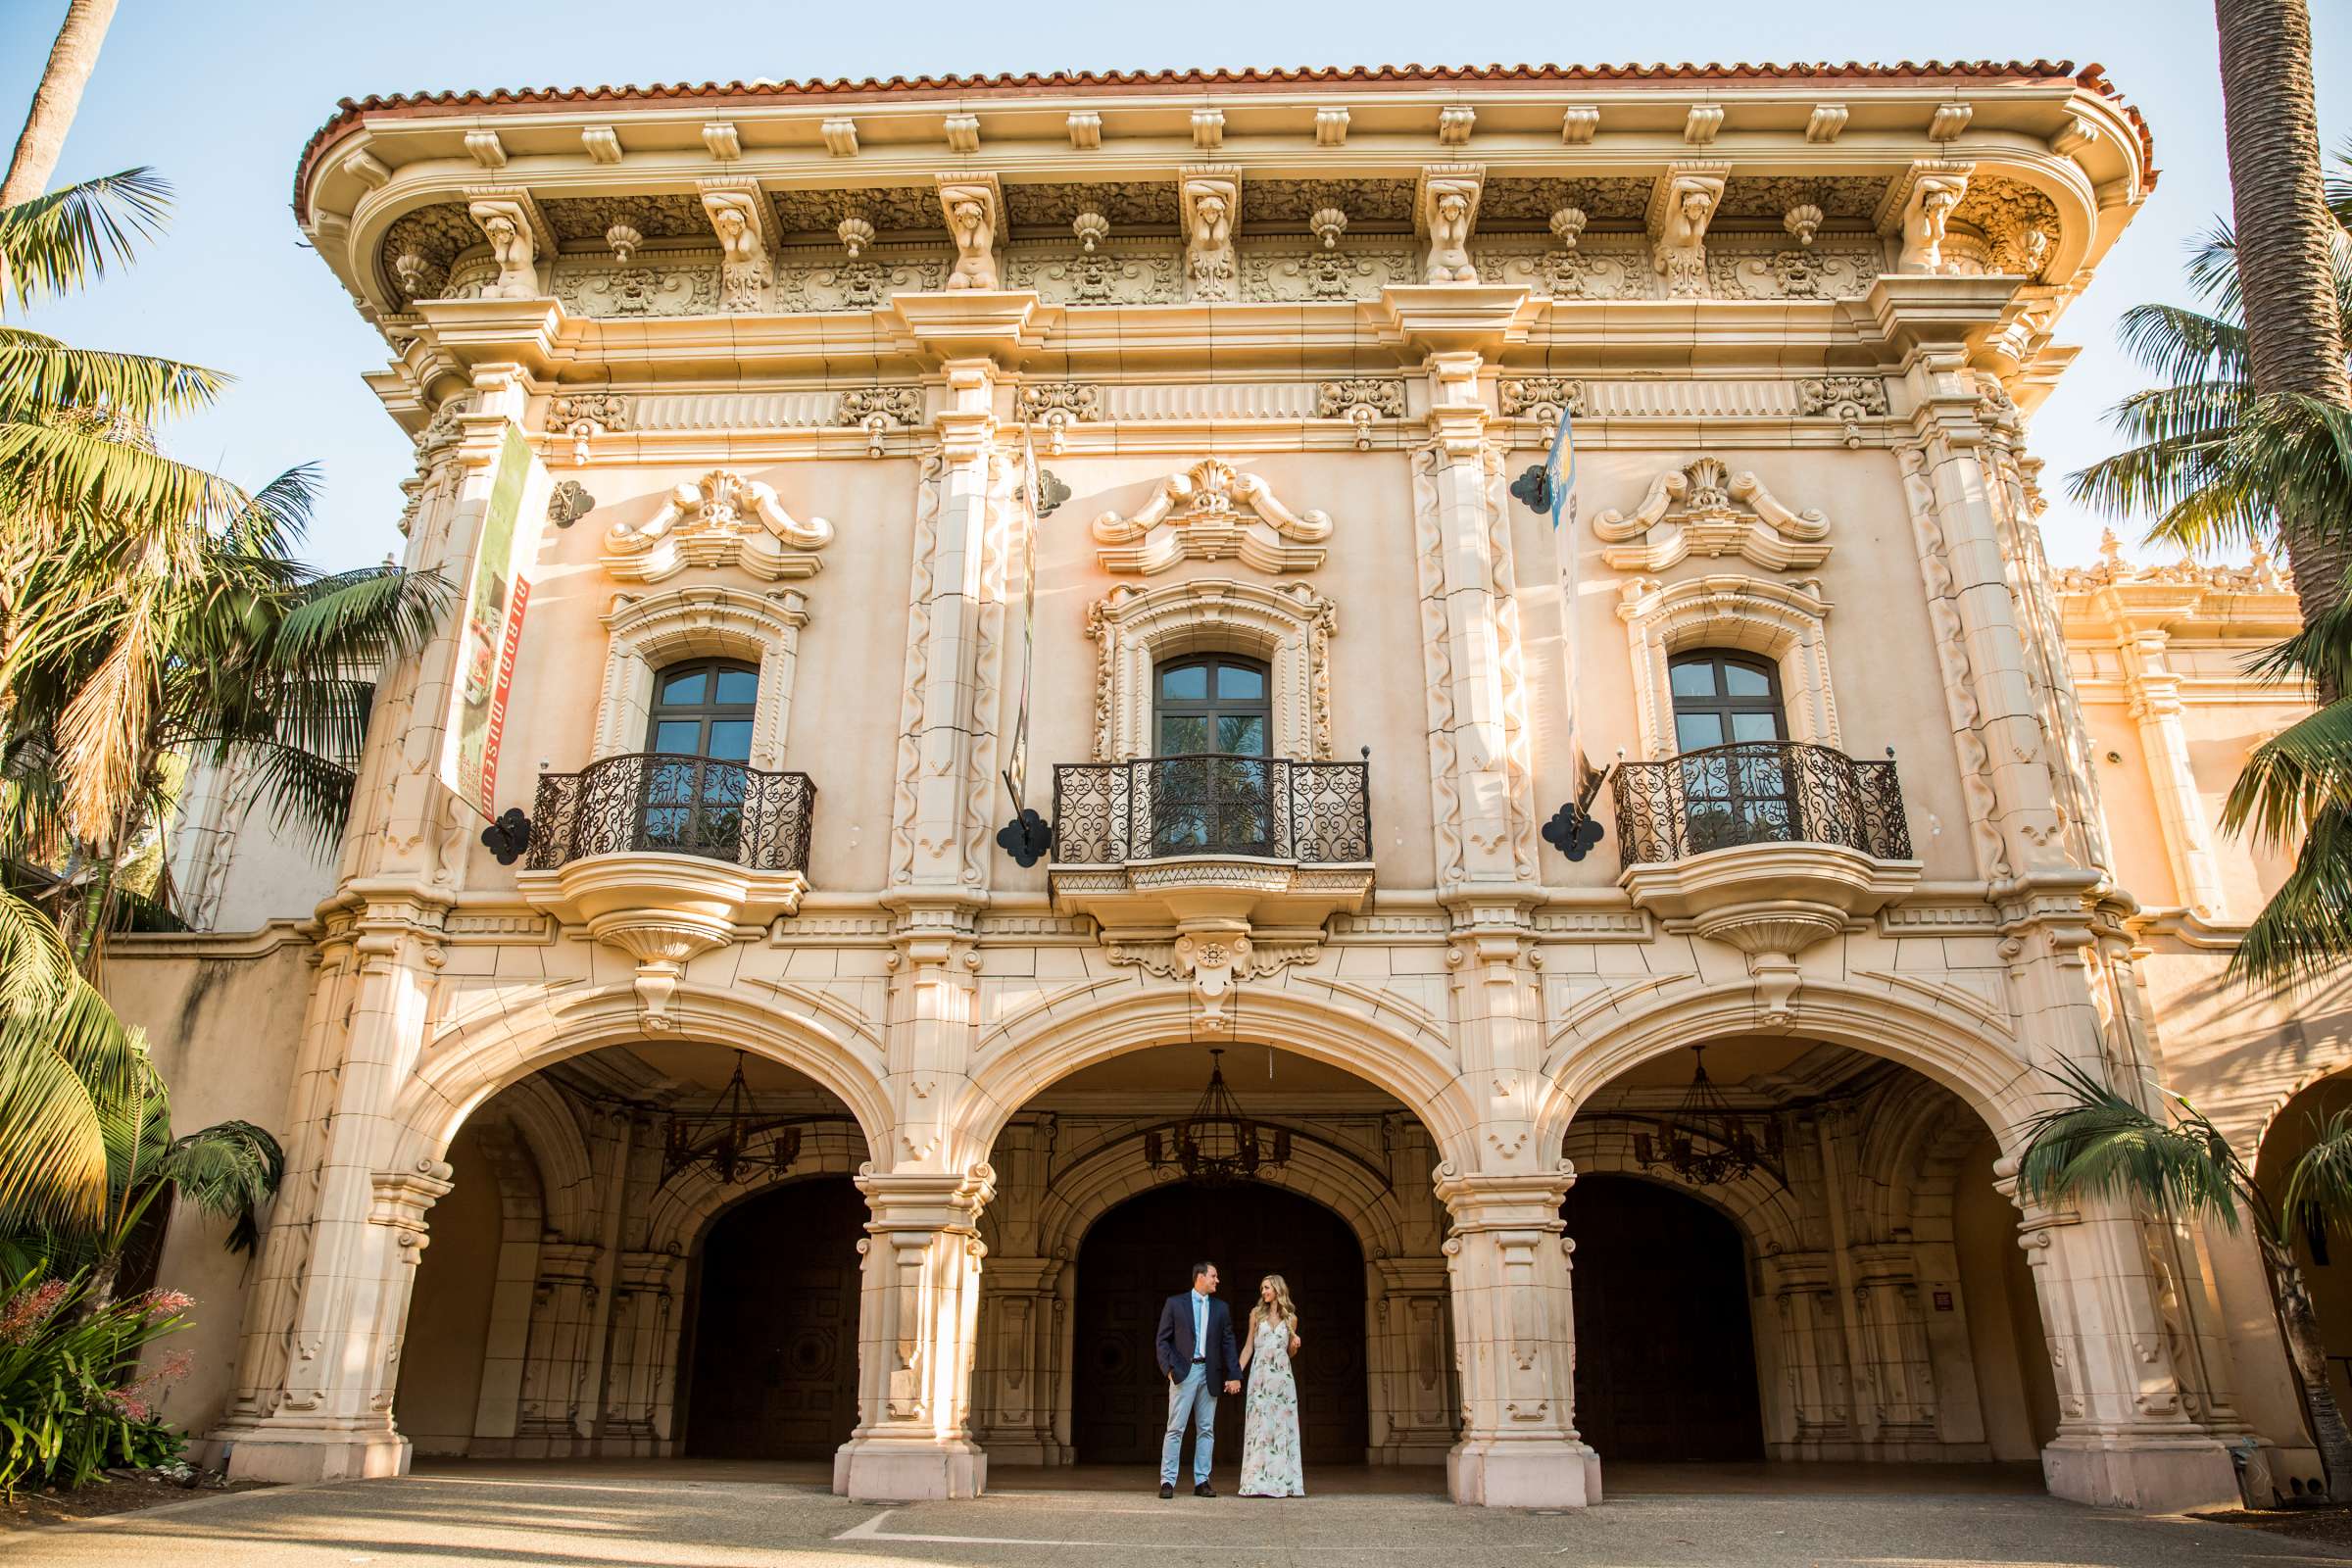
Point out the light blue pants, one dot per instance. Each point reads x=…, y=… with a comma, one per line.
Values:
x=1194, y=1400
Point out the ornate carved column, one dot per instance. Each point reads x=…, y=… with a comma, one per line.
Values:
x=917, y=1329
x=1820, y=1414
x=1514, y=1332
x=2126, y=1435
x=2154, y=692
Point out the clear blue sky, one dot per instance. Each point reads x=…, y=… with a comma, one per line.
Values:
x=220, y=96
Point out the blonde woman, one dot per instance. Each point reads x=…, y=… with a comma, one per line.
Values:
x=1270, y=1414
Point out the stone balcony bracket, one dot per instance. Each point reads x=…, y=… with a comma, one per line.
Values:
x=662, y=910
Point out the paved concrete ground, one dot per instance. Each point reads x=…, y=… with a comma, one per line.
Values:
x=719, y=1516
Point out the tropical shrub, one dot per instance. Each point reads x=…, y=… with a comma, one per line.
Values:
x=73, y=1397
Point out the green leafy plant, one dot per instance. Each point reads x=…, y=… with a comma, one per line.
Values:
x=74, y=1397
x=2097, y=1143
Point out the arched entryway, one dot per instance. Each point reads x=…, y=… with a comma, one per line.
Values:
x=1666, y=1361
x=774, y=1341
x=1141, y=1252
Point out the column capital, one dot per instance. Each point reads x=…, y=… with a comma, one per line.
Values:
x=926, y=1201
x=1502, y=1200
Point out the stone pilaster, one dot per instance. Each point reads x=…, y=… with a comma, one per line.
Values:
x=2154, y=693
x=1514, y=1331
x=1014, y=1394
x=918, y=1321
x=1411, y=1356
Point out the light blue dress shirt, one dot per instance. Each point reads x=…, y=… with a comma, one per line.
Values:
x=1200, y=1326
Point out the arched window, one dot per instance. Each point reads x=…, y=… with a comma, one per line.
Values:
x=701, y=727
x=704, y=708
x=1217, y=705
x=1212, y=715
x=1731, y=699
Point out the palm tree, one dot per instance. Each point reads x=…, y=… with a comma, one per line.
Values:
x=2287, y=244
x=70, y=61
x=2096, y=1143
x=2219, y=466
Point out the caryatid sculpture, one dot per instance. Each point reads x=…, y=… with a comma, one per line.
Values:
x=1451, y=203
x=971, y=211
x=1211, y=204
x=745, y=271
x=507, y=227
x=1933, y=199
x=1680, y=252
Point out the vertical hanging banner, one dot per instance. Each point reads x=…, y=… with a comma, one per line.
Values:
x=1560, y=487
x=491, y=631
x=1016, y=767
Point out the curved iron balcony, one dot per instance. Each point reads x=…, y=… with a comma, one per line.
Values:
x=655, y=803
x=1267, y=807
x=1758, y=792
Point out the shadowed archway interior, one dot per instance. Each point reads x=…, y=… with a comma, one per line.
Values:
x=1666, y=1364
x=775, y=1326
x=1141, y=1252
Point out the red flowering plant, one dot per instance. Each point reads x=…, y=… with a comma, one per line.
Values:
x=74, y=1397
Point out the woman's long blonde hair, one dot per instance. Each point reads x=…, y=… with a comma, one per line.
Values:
x=1283, y=1311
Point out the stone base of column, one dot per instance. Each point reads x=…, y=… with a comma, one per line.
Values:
x=1496, y=1473
x=908, y=1469
x=2153, y=1475
x=290, y=1455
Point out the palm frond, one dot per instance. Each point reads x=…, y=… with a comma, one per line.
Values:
x=2292, y=778
x=227, y=1171
x=361, y=620
x=40, y=376
x=65, y=240
x=308, y=795
x=2096, y=1143
x=61, y=472
x=2175, y=344
x=2319, y=1185
x=2303, y=935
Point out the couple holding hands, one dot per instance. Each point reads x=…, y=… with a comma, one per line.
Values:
x=1197, y=1352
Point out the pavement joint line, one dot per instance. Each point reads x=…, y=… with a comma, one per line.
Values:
x=873, y=1530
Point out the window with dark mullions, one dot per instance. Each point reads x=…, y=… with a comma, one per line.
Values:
x=1727, y=699
x=1211, y=717
x=700, y=728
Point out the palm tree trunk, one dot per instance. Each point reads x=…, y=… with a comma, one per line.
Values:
x=70, y=61
x=2300, y=1324
x=2284, y=230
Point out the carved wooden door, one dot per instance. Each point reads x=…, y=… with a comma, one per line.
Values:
x=1142, y=1253
x=776, y=1334
x=1665, y=1362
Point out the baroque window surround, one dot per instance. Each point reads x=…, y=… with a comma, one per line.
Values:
x=1784, y=623
x=1288, y=627
x=701, y=621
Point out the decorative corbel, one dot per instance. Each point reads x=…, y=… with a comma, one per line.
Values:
x=1444, y=211
x=747, y=237
x=517, y=234
x=1209, y=205
x=1917, y=207
x=973, y=206
x=1682, y=205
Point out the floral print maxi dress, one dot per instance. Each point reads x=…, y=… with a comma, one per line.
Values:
x=1270, y=1419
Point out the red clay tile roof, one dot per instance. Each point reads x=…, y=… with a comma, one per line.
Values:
x=349, y=111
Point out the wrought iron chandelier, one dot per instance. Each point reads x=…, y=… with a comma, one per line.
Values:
x=732, y=1140
x=1216, y=1145
x=1706, y=1143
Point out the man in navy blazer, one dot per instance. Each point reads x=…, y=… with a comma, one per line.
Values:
x=1197, y=1354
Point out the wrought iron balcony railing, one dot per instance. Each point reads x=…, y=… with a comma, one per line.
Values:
x=648, y=802
x=1758, y=792
x=1269, y=808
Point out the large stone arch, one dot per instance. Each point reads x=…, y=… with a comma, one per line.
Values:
x=1764, y=1210
x=478, y=1055
x=682, y=1209
x=1023, y=1055
x=565, y=1180
x=1945, y=1034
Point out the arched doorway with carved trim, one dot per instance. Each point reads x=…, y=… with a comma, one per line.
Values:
x=1141, y=1253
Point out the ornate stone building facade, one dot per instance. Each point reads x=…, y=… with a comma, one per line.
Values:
x=1169, y=446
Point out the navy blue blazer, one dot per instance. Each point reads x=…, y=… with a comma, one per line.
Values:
x=1176, y=1350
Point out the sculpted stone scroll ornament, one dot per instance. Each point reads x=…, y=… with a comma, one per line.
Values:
x=1057, y=405
x=975, y=211
x=1210, y=208
x=721, y=519
x=1541, y=397
x=1704, y=509
x=1212, y=512
x=507, y=224
x=746, y=272
x=582, y=415
x=1678, y=214
x=1447, y=208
